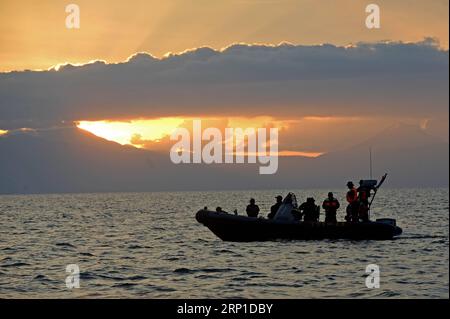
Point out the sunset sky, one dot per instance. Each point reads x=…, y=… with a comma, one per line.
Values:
x=189, y=66
x=33, y=33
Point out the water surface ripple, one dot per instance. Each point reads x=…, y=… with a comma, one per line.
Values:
x=148, y=245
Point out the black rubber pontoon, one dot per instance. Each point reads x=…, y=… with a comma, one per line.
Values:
x=243, y=229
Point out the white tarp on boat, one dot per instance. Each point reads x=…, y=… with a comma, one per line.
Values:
x=284, y=213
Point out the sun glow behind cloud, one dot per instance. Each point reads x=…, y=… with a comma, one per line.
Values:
x=153, y=133
x=122, y=132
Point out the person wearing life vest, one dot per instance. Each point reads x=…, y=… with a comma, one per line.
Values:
x=363, y=198
x=363, y=193
x=330, y=205
x=353, y=203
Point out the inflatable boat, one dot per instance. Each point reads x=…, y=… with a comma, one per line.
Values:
x=287, y=225
x=230, y=227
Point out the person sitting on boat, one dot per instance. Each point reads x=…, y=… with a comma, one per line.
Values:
x=309, y=210
x=252, y=209
x=220, y=210
x=353, y=203
x=297, y=214
x=330, y=205
x=274, y=208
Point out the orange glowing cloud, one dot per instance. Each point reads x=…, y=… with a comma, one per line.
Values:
x=154, y=134
x=133, y=132
x=123, y=132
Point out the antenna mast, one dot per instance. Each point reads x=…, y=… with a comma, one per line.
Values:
x=370, y=160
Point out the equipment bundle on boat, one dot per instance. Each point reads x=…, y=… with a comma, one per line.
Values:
x=288, y=220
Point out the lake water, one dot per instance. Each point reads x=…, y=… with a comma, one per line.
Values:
x=149, y=245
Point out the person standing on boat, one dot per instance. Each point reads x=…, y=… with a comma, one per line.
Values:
x=353, y=203
x=274, y=208
x=330, y=205
x=363, y=197
x=252, y=209
x=309, y=210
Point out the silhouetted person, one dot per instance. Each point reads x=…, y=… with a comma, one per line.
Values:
x=296, y=213
x=330, y=205
x=363, y=197
x=353, y=203
x=252, y=209
x=274, y=208
x=309, y=210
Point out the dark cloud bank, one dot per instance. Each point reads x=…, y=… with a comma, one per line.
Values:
x=391, y=79
x=388, y=79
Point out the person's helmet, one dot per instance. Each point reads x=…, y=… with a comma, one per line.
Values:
x=310, y=200
x=330, y=194
x=279, y=197
x=252, y=200
x=350, y=184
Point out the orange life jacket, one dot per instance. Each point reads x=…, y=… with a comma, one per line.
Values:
x=363, y=194
x=352, y=195
x=330, y=203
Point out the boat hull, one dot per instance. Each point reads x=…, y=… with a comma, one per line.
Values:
x=243, y=229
